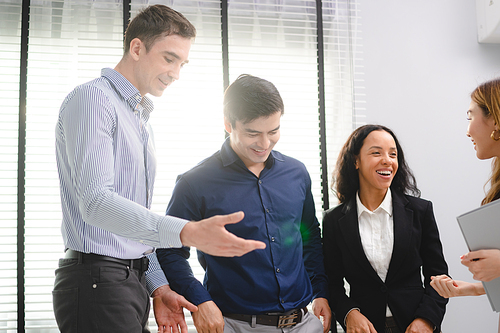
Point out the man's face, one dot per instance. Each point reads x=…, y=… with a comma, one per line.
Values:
x=254, y=141
x=159, y=67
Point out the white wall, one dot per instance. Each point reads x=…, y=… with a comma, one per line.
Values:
x=421, y=61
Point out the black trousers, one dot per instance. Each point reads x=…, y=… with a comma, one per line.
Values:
x=100, y=297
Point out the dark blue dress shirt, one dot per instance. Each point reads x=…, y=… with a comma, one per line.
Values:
x=279, y=210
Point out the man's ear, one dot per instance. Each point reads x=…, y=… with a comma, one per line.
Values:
x=227, y=125
x=136, y=47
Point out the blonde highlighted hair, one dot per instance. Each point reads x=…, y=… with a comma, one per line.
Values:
x=487, y=97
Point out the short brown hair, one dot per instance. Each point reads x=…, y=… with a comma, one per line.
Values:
x=157, y=21
x=249, y=98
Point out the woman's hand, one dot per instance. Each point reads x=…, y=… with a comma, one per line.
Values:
x=356, y=322
x=447, y=287
x=420, y=325
x=483, y=264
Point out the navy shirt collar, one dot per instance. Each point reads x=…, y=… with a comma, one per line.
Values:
x=229, y=156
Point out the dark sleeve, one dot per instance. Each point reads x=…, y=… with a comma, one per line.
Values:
x=312, y=250
x=340, y=303
x=174, y=261
x=432, y=307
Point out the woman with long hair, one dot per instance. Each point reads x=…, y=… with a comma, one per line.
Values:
x=380, y=239
x=484, y=119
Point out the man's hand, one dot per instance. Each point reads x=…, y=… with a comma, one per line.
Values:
x=208, y=319
x=167, y=306
x=356, y=322
x=321, y=308
x=210, y=236
x=484, y=264
x=420, y=325
x=447, y=287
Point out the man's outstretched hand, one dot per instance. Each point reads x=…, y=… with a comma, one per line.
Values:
x=210, y=236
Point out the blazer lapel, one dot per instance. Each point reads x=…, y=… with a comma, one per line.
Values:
x=403, y=229
x=349, y=227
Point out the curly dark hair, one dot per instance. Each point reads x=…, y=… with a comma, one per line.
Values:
x=345, y=177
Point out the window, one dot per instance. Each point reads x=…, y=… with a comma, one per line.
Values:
x=71, y=40
x=10, y=30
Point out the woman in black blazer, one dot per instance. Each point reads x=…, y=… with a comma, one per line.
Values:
x=381, y=241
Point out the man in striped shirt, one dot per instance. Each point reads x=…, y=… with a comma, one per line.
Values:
x=106, y=164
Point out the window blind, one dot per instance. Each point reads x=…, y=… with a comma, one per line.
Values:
x=344, y=94
x=278, y=42
x=10, y=37
x=71, y=40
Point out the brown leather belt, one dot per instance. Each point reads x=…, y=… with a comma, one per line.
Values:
x=140, y=264
x=280, y=320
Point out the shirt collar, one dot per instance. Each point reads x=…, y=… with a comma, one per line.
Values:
x=229, y=156
x=129, y=92
x=386, y=205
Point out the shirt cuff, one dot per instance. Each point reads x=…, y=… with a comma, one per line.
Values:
x=155, y=278
x=169, y=231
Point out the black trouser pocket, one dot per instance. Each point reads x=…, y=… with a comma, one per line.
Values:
x=65, y=303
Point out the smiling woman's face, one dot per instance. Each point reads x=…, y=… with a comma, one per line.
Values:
x=377, y=162
x=479, y=130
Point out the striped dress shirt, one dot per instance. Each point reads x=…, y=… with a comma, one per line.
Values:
x=106, y=162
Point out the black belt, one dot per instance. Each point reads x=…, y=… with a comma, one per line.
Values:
x=280, y=320
x=140, y=264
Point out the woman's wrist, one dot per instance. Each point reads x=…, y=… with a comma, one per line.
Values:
x=479, y=289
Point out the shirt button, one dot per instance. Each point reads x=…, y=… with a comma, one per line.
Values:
x=260, y=181
x=267, y=210
x=272, y=239
x=277, y=270
x=282, y=300
x=94, y=286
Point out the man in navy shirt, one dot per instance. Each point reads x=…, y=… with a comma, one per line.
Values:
x=265, y=290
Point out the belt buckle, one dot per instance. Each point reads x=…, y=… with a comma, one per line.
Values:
x=288, y=320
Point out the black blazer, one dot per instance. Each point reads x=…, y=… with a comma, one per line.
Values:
x=417, y=250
